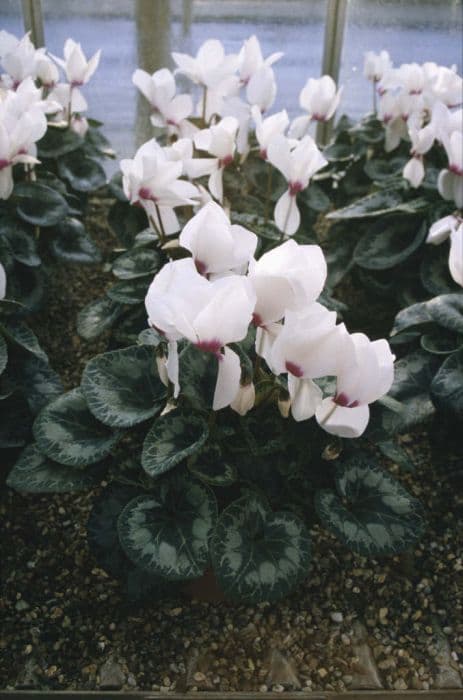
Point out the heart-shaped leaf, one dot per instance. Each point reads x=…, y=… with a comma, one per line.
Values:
x=149, y=337
x=129, y=291
x=39, y=383
x=68, y=433
x=440, y=341
x=40, y=205
x=71, y=243
x=122, y=387
x=447, y=385
x=97, y=317
x=3, y=353
x=22, y=244
x=22, y=335
x=213, y=468
x=371, y=512
x=84, y=174
x=381, y=170
x=35, y=473
x=383, y=201
x=447, y=311
x=434, y=270
x=167, y=532
x=257, y=554
x=137, y=262
x=173, y=437
x=198, y=371
x=389, y=242
x=126, y=221
x=57, y=142
x=415, y=316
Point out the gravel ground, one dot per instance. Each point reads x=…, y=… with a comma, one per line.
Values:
x=355, y=623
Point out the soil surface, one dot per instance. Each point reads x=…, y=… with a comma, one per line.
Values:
x=355, y=623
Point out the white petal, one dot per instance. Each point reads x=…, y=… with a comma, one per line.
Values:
x=245, y=399
x=6, y=182
x=286, y=214
x=306, y=396
x=456, y=255
x=172, y=366
x=342, y=421
x=228, y=380
x=215, y=184
x=445, y=184
x=198, y=167
x=299, y=126
x=2, y=282
x=414, y=172
x=441, y=230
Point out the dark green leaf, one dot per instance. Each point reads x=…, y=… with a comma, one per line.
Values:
x=39, y=205
x=337, y=152
x=381, y=202
x=440, y=341
x=35, y=473
x=3, y=353
x=38, y=382
x=131, y=291
x=57, y=142
x=411, y=317
x=388, y=243
x=71, y=243
x=68, y=433
x=84, y=174
x=126, y=221
x=211, y=467
x=149, y=337
x=198, y=371
x=167, y=532
x=371, y=512
x=122, y=387
x=396, y=453
x=137, y=262
x=173, y=437
x=434, y=270
x=22, y=335
x=315, y=198
x=447, y=311
x=258, y=554
x=22, y=244
x=97, y=317
x=447, y=385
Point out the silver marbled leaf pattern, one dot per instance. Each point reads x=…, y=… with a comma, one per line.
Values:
x=122, y=387
x=35, y=473
x=3, y=353
x=68, y=433
x=371, y=512
x=388, y=243
x=447, y=385
x=173, y=437
x=167, y=531
x=137, y=262
x=258, y=554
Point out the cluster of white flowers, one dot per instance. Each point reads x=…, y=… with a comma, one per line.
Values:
x=422, y=104
x=237, y=89
x=212, y=298
x=29, y=90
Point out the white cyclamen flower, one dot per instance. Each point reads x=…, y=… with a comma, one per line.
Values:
x=216, y=245
x=210, y=67
x=220, y=141
x=450, y=226
x=168, y=109
x=78, y=70
x=267, y=129
x=261, y=89
x=376, y=65
x=421, y=141
x=251, y=59
x=307, y=349
x=297, y=161
x=2, y=282
x=364, y=374
x=320, y=99
x=450, y=181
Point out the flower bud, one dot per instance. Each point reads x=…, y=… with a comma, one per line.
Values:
x=284, y=403
x=245, y=398
x=79, y=124
x=161, y=362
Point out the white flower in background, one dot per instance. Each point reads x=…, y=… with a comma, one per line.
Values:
x=395, y=111
x=70, y=101
x=2, y=282
x=244, y=399
x=450, y=227
x=78, y=70
x=450, y=181
x=421, y=141
x=217, y=246
x=168, y=109
x=47, y=72
x=267, y=129
x=152, y=180
x=250, y=59
x=219, y=141
x=210, y=67
x=240, y=110
x=297, y=161
x=79, y=124
x=307, y=349
x=410, y=77
x=320, y=98
x=447, y=86
x=183, y=304
x=376, y=65
x=18, y=58
x=261, y=89
x=445, y=121
x=364, y=374
x=288, y=277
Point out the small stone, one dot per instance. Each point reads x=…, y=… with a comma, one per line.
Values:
x=337, y=617
x=383, y=612
x=22, y=605
x=111, y=675
x=322, y=672
x=199, y=677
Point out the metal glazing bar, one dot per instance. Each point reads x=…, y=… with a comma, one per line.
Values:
x=33, y=21
x=332, y=49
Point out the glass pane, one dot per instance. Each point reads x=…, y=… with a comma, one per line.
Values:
x=411, y=30
x=11, y=19
x=142, y=34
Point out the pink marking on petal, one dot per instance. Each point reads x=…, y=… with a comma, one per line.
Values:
x=294, y=369
x=263, y=153
x=257, y=321
x=223, y=162
x=343, y=400
x=294, y=188
x=4, y=163
x=455, y=169
x=201, y=267
x=214, y=346
x=145, y=193
x=77, y=83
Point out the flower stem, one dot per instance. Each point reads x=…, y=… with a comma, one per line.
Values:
x=269, y=192
x=203, y=116
x=161, y=225
x=374, y=97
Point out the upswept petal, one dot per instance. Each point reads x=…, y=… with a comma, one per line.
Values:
x=456, y=255
x=227, y=316
x=286, y=214
x=228, y=379
x=342, y=421
x=306, y=396
x=414, y=171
